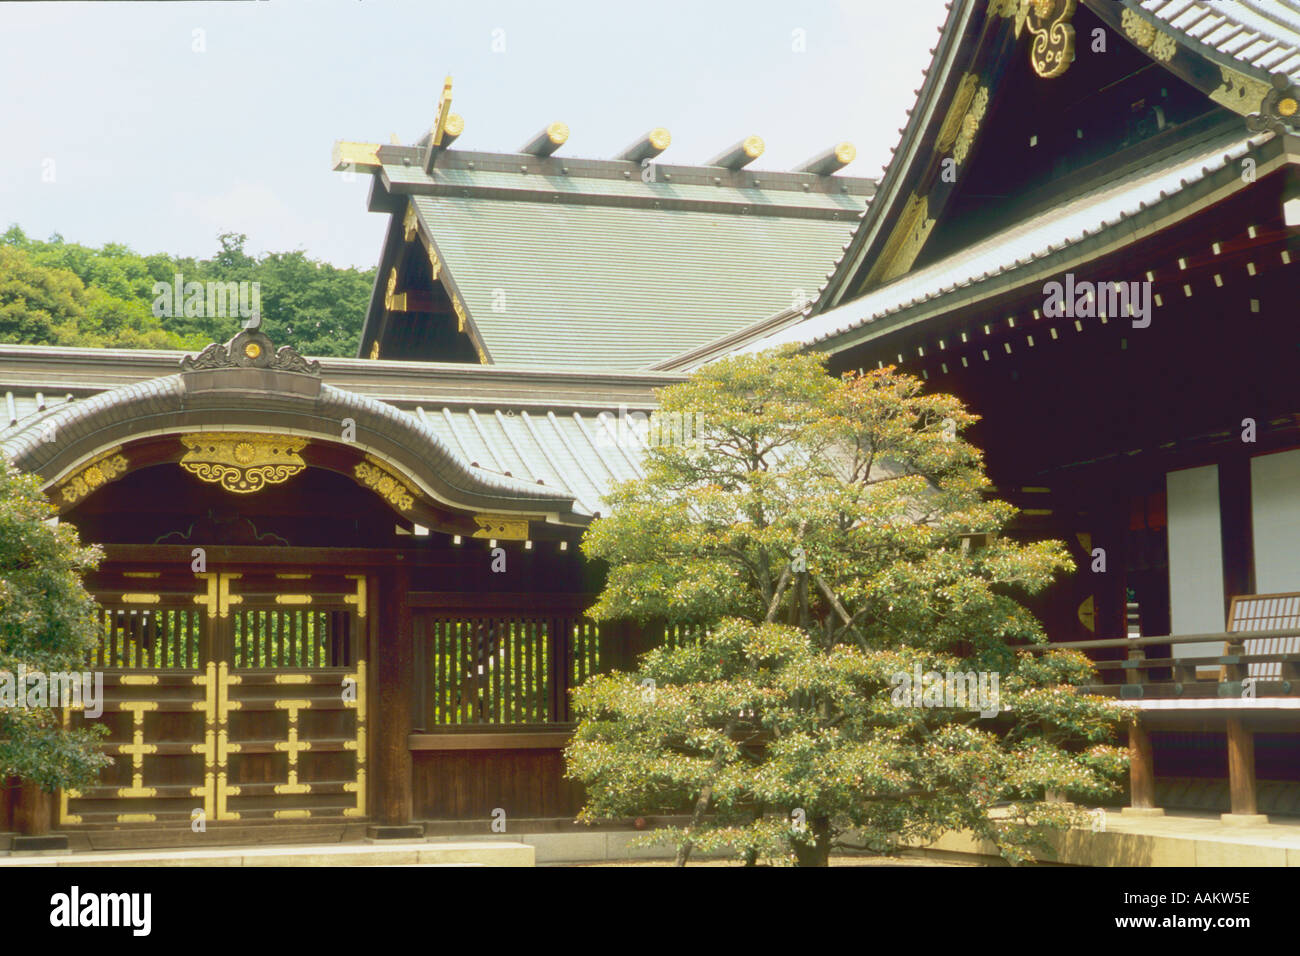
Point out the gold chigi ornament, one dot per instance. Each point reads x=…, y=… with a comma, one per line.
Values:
x=243, y=462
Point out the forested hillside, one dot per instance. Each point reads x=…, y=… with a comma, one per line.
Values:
x=61, y=293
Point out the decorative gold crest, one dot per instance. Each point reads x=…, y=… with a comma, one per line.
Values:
x=1052, y=51
x=107, y=467
x=243, y=462
x=375, y=475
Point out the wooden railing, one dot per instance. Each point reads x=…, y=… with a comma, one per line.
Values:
x=1173, y=677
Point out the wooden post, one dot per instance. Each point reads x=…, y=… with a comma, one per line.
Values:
x=614, y=638
x=1241, y=772
x=34, y=809
x=1141, y=772
x=394, y=677
x=1236, y=528
x=623, y=642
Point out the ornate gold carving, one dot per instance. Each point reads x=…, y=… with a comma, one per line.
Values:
x=1164, y=47
x=1138, y=28
x=374, y=349
x=409, y=223
x=1052, y=51
x=375, y=475
x=952, y=123
x=250, y=348
x=1011, y=8
x=905, y=242
x=1147, y=36
x=435, y=264
x=970, y=125
x=107, y=467
x=1240, y=93
x=1277, y=108
x=459, y=308
x=504, y=527
x=394, y=301
x=243, y=462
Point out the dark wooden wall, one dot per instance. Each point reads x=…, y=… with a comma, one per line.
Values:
x=470, y=784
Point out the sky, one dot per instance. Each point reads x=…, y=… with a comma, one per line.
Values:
x=161, y=125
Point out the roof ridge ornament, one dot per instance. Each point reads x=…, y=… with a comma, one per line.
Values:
x=251, y=348
x=1052, y=51
x=438, y=139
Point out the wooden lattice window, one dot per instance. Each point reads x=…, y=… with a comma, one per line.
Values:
x=1266, y=612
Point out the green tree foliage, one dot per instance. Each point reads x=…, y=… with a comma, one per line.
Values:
x=47, y=624
x=812, y=537
x=61, y=293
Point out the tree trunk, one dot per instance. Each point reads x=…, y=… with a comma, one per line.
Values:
x=815, y=848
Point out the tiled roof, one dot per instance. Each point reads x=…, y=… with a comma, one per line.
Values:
x=527, y=434
x=1262, y=35
x=575, y=262
x=1042, y=241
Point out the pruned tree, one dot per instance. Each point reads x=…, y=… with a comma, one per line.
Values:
x=835, y=544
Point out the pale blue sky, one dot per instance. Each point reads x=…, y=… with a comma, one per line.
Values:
x=162, y=147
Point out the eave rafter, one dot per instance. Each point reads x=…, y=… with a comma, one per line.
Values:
x=1009, y=325
x=1225, y=80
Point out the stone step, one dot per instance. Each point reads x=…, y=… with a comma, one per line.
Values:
x=396, y=853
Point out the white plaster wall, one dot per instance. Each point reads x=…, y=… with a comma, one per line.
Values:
x=1275, y=514
x=1195, y=557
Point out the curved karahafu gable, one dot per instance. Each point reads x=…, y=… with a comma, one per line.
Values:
x=241, y=409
